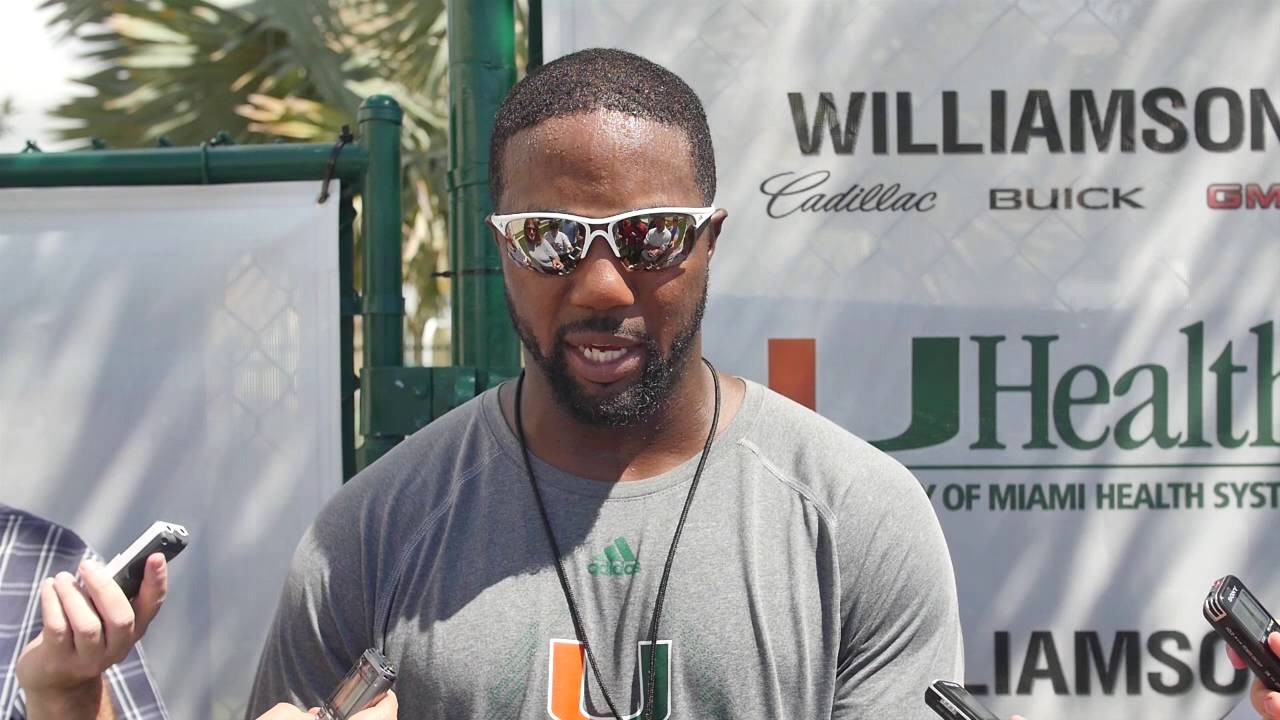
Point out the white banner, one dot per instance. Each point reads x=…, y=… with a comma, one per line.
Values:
x=1035, y=244
x=171, y=353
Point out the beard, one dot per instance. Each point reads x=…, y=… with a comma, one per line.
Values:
x=646, y=398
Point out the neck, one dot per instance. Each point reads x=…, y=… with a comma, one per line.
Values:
x=613, y=454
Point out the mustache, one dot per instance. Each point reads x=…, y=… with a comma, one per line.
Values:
x=632, y=328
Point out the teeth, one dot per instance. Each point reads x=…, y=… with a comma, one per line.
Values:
x=601, y=356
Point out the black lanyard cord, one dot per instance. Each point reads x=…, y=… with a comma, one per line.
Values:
x=578, y=629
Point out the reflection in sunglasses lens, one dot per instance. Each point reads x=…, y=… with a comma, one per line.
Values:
x=654, y=242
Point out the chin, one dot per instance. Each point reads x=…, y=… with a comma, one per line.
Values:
x=597, y=390
x=619, y=405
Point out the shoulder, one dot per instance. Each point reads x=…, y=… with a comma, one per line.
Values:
x=839, y=471
x=29, y=531
x=459, y=439
x=358, y=545
x=418, y=476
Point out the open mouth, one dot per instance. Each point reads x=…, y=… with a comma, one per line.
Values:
x=598, y=354
x=604, y=360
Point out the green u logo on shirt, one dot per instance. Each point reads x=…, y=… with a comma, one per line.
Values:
x=567, y=680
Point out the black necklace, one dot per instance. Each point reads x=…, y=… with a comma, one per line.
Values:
x=666, y=570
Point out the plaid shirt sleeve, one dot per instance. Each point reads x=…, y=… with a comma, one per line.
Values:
x=32, y=549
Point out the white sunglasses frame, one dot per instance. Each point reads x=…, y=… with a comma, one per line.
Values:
x=700, y=217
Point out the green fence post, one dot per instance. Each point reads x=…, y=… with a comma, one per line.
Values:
x=534, y=31
x=382, y=307
x=481, y=71
x=346, y=333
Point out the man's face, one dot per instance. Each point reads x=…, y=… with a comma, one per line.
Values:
x=613, y=344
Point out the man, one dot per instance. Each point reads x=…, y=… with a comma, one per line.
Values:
x=543, y=252
x=622, y=491
x=658, y=240
x=557, y=239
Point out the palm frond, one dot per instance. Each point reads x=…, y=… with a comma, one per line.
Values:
x=271, y=69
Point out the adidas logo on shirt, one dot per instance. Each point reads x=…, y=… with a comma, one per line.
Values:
x=617, y=560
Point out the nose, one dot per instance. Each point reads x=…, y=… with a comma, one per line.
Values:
x=599, y=282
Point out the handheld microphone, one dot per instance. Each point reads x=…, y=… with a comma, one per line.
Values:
x=1242, y=621
x=362, y=688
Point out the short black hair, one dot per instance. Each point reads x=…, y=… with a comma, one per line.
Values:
x=604, y=79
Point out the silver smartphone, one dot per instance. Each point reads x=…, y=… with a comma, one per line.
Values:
x=127, y=568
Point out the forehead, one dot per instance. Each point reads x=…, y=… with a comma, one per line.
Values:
x=598, y=164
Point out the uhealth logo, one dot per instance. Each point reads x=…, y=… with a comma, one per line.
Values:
x=616, y=560
x=1137, y=400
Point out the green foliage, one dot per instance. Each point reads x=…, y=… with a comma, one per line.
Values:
x=268, y=70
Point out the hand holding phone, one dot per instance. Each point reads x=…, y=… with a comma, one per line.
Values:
x=91, y=623
x=88, y=626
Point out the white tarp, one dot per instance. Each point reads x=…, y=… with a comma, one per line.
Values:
x=171, y=353
x=1137, y=318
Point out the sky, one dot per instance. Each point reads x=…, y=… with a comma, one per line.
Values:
x=35, y=70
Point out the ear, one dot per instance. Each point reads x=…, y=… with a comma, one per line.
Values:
x=714, y=224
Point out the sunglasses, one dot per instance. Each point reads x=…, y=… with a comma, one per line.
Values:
x=553, y=243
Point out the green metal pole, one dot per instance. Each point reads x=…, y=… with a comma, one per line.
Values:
x=382, y=307
x=346, y=326
x=180, y=166
x=481, y=71
x=535, y=35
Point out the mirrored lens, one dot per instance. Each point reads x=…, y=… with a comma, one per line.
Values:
x=547, y=245
x=653, y=241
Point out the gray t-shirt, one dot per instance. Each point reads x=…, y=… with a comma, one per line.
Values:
x=812, y=580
